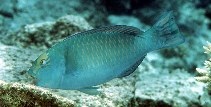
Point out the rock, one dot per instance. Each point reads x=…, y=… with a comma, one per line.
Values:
x=44, y=35
x=15, y=61
x=18, y=13
x=161, y=87
x=17, y=94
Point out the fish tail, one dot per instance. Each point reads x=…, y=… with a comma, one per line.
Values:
x=165, y=32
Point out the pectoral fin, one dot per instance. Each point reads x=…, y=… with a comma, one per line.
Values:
x=70, y=62
x=91, y=90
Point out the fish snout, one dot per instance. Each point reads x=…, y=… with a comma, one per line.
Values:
x=31, y=72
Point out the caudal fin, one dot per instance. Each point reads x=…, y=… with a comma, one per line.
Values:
x=165, y=32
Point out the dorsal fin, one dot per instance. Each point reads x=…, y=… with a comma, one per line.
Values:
x=132, y=68
x=129, y=30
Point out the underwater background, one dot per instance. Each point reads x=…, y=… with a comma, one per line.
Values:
x=164, y=79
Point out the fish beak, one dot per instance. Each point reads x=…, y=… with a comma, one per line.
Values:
x=31, y=72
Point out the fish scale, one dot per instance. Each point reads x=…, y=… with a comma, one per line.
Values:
x=117, y=46
x=116, y=50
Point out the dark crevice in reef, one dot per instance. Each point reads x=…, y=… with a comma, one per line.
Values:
x=137, y=102
x=208, y=15
x=6, y=14
x=209, y=26
x=137, y=4
x=117, y=6
x=126, y=6
x=203, y=4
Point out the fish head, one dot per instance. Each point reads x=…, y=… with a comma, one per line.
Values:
x=40, y=62
x=43, y=71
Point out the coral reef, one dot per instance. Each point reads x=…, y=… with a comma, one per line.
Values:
x=165, y=78
x=205, y=73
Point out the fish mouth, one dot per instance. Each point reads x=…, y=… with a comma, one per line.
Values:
x=31, y=73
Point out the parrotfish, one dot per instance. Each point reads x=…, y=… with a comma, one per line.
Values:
x=90, y=58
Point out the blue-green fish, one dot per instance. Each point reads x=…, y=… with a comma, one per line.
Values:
x=93, y=57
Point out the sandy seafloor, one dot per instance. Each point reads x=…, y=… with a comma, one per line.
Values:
x=164, y=79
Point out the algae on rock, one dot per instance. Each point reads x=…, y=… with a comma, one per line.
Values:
x=21, y=95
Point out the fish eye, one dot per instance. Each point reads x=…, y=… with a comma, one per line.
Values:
x=42, y=61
